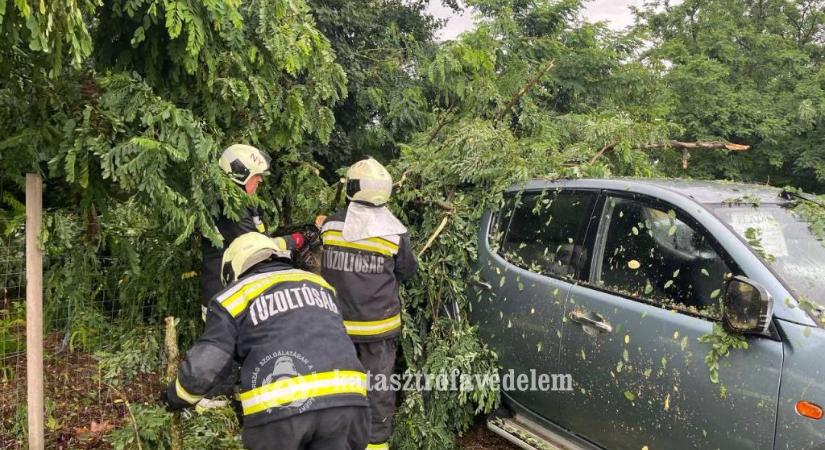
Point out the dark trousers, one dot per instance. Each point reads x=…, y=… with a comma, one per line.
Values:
x=343, y=428
x=378, y=358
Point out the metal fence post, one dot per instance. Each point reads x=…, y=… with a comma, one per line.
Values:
x=34, y=311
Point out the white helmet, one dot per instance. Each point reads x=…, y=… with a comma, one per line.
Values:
x=369, y=182
x=246, y=251
x=242, y=162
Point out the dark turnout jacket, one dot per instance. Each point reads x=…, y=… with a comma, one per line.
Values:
x=365, y=274
x=283, y=326
x=250, y=221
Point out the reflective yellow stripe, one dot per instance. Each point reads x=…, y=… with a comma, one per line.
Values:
x=374, y=327
x=384, y=446
x=286, y=391
x=392, y=246
x=236, y=303
x=185, y=395
x=369, y=247
x=281, y=243
x=261, y=227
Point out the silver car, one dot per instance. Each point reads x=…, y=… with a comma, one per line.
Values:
x=642, y=295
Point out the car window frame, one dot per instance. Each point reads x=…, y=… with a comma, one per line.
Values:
x=582, y=238
x=599, y=240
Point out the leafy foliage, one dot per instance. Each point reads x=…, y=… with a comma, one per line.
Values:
x=153, y=426
x=747, y=72
x=379, y=45
x=497, y=120
x=137, y=353
x=721, y=343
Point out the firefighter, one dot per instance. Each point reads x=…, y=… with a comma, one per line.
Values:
x=246, y=166
x=366, y=253
x=302, y=386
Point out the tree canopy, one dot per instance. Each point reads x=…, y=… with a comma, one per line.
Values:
x=125, y=105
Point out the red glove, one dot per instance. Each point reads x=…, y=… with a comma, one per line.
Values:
x=299, y=240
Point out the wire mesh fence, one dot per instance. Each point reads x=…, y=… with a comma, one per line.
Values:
x=12, y=327
x=102, y=335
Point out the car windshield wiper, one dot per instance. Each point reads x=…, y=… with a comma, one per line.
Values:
x=789, y=194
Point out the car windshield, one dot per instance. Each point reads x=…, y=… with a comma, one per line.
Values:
x=781, y=236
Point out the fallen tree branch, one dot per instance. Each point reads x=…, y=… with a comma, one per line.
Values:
x=434, y=235
x=525, y=89
x=441, y=124
x=605, y=149
x=704, y=145
x=401, y=181
x=445, y=205
x=686, y=147
x=131, y=415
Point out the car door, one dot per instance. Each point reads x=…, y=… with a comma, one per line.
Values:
x=632, y=340
x=527, y=257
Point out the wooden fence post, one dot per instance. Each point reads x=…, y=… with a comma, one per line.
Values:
x=34, y=311
x=172, y=360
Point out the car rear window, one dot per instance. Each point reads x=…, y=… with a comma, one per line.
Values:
x=546, y=231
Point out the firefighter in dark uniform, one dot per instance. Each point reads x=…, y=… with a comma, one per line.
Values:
x=366, y=253
x=246, y=166
x=302, y=384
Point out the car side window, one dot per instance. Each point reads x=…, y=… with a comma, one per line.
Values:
x=654, y=253
x=500, y=221
x=546, y=232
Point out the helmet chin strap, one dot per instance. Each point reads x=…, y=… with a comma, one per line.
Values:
x=366, y=203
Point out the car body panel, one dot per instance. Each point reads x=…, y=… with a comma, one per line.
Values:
x=646, y=383
x=514, y=318
x=803, y=378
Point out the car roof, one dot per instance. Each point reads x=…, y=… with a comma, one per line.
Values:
x=707, y=192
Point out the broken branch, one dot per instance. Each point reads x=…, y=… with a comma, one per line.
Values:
x=434, y=235
x=131, y=415
x=704, y=145
x=684, y=146
x=525, y=89
x=605, y=149
x=441, y=123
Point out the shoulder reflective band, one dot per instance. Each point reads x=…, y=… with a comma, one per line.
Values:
x=372, y=328
x=374, y=244
x=383, y=446
x=236, y=299
x=184, y=395
x=286, y=391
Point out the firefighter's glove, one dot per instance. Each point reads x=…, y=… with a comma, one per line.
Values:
x=170, y=405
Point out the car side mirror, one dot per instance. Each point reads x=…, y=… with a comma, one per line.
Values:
x=747, y=306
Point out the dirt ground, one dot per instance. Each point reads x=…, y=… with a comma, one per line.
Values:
x=480, y=438
x=80, y=409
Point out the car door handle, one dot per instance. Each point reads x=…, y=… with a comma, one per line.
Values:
x=591, y=319
x=482, y=285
